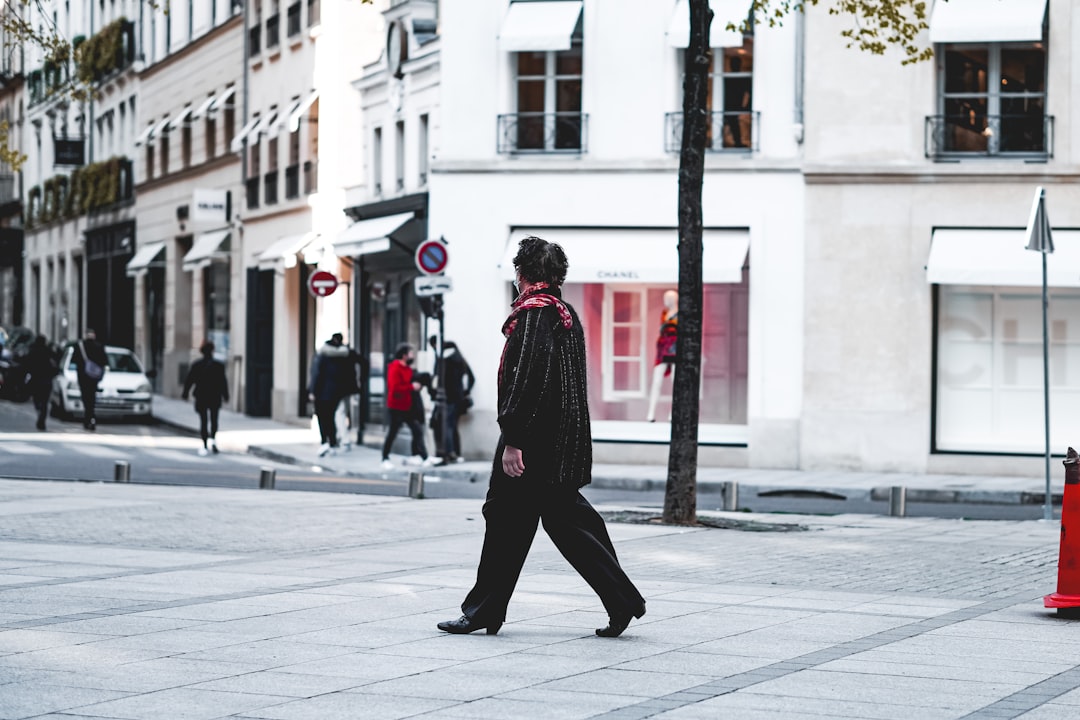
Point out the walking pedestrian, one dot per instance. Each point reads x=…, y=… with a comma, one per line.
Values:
x=207, y=376
x=457, y=379
x=41, y=368
x=91, y=362
x=330, y=382
x=544, y=455
x=400, y=387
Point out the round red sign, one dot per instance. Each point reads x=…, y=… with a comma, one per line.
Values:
x=322, y=283
x=431, y=257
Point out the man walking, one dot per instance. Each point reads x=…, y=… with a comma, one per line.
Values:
x=41, y=369
x=90, y=365
x=330, y=382
x=457, y=382
x=211, y=388
x=544, y=455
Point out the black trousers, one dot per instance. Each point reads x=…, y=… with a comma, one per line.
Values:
x=41, y=404
x=513, y=508
x=88, y=390
x=325, y=411
x=416, y=428
x=208, y=416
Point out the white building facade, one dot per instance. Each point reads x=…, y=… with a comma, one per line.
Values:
x=923, y=309
x=563, y=119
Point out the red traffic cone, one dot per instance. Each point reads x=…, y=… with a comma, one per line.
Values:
x=1067, y=596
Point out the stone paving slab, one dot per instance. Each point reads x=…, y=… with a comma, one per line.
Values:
x=190, y=602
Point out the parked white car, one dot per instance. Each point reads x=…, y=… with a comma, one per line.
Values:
x=125, y=388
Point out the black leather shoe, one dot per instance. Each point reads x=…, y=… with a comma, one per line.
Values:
x=618, y=623
x=465, y=625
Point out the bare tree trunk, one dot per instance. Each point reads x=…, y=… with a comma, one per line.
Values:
x=680, y=498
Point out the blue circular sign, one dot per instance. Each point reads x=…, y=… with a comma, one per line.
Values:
x=431, y=257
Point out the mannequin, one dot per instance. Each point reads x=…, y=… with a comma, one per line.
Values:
x=665, y=349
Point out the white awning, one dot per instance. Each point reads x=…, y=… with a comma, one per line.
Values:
x=724, y=12
x=223, y=99
x=285, y=250
x=546, y=25
x=264, y=125
x=181, y=117
x=364, y=237
x=207, y=246
x=636, y=256
x=303, y=107
x=144, y=257
x=203, y=108
x=238, y=140
x=1000, y=257
x=144, y=135
x=976, y=21
x=282, y=119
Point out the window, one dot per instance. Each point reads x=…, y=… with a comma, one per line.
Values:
x=731, y=81
x=270, y=189
x=149, y=162
x=254, y=173
x=211, y=137
x=273, y=26
x=292, y=170
x=185, y=144
x=422, y=150
x=230, y=124
x=376, y=161
x=989, y=368
x=399, y=156
x=548, y=117
x=313, y=11
x=624, y=343
x=992, y=101
x=311, y=166
x=292, y=27
x=163, y=143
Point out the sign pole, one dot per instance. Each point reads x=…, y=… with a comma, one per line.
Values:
x=442, y=374
x=1047, y=510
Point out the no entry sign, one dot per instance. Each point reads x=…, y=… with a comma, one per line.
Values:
x=322, y=283
x=431, y=257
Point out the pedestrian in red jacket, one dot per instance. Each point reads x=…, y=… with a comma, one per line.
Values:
x=400, y=386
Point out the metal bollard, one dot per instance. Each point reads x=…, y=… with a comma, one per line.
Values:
x=731, y=495
x=416, y=485
x=897, y=501
x=266, y=478
x=122, y=471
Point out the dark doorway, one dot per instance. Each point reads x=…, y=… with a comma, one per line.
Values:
x=110, y=293
x=155, y=320
x=258, y=399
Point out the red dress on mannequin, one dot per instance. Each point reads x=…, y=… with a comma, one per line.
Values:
x=669, y=335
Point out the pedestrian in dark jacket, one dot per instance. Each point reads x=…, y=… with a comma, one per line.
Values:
x=544, y=455
x=402, y=395
x=457, y=382
x=333, y=376
x=207, y=376
x=41, y=368
x=91, y=363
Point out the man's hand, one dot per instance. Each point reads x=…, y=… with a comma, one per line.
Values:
x=512, y=462
x=416, y=386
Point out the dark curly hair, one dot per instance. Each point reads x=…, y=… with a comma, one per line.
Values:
x=541, y=261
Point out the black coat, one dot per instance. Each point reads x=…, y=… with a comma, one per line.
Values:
x=544, y=400
x=333, y=373
x=96, y=352
x=459, y=378
x=41, y=368
x=211, y=385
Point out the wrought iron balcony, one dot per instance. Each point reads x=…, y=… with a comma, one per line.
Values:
x=953, y=137
x=529, y=132
x=730, y=132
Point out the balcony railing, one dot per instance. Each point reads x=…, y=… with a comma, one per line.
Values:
x=311, y=177
x=953, y=137
x=251, y=187
x=273, y=31
x=734, y=132
x=292, y=22
x=292, y=182
x=254, y=40
x=270, y=184
x=528, y=132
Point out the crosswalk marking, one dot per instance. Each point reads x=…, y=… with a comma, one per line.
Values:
x=21, y=448
x=99, y=451
x=174, y=455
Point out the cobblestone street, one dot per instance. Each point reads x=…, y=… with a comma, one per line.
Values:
x=127, y=601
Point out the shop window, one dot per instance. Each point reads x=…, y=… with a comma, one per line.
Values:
x=989, y=368
x=624, y=343
x=548, y=96
x=991, y=101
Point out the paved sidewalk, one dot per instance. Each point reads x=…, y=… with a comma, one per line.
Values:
x=299, y=445
x=159, y=602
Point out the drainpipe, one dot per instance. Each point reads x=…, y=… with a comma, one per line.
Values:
x=800, y=73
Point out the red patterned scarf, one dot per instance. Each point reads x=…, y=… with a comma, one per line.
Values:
x=534, y=299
